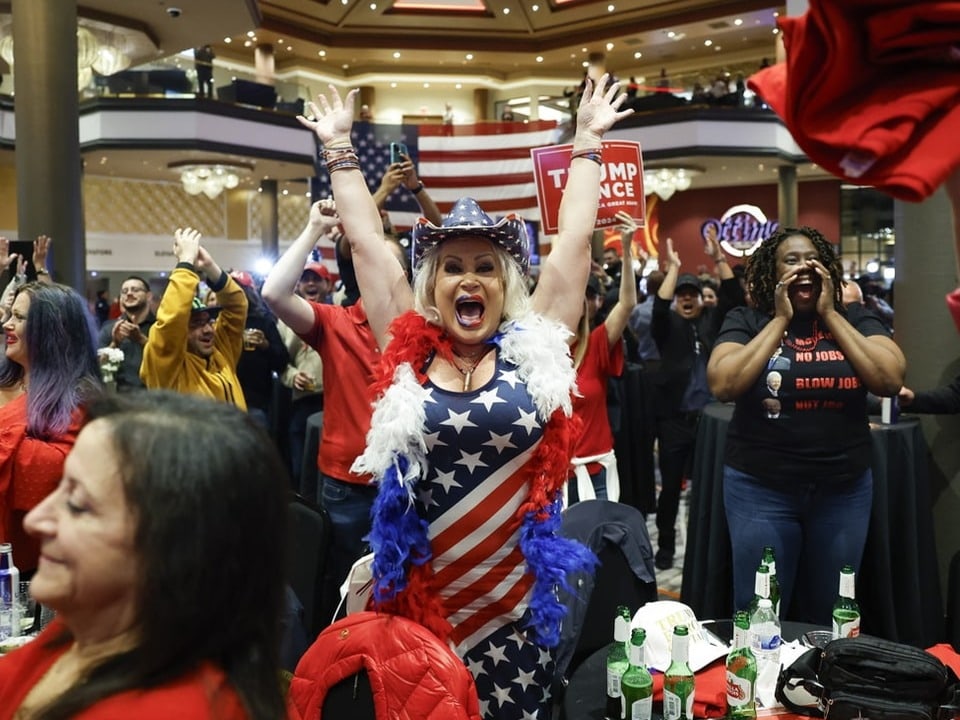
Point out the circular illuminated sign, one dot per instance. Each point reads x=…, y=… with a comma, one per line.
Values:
x=740, y=230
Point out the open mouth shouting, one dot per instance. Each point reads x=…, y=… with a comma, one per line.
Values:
x=469, y=309
x=805, y=288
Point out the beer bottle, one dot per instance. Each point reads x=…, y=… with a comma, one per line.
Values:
x=617, y=663
x=678, y=680
x=637, y=685
x=770, y=560
x=846, y=610
x=741, y=671
x=761, y=588
x=9, y=591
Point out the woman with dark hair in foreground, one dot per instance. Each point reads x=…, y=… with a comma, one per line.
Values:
x=162, y=555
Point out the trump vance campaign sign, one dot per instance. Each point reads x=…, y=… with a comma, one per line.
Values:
x=621, y=182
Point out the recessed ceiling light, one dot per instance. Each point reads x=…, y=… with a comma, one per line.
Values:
x=459, y=86
x=396, y=56
x=611, y=8
x=228, y=40
x=469, y=56
x=637, y=55
x=426, y=85
x=539, y=58
x=708, y=43
x=671, y=34
x=322, y=53
x=247, y=43
x=609, y=46
x=535, y=8
x=393, y=84
x=738, y=22
x=776, y=31
x=506, y=11
x=250, y=33
x=373, y=6
x=345, y=66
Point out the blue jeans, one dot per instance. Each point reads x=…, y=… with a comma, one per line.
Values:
x=597, y=479
x=349, y=506
x=815, y=528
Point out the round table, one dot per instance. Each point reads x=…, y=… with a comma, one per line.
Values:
x=585, y=696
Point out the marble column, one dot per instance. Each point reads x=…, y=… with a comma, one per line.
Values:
x=926, y=272
x=48, y=162
x=269, y=219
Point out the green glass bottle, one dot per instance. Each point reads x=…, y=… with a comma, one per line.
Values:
x=770, y=560
x=761, y=588
x=741, y=671
x=617, y=663
x=678, y=680
x=846, y=610
x=637, y=685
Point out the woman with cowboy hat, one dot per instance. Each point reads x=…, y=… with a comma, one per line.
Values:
x=471, y=435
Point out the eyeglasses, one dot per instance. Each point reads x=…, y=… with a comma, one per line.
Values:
x=199, y=323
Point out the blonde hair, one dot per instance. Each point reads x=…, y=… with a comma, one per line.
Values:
x=516, y=296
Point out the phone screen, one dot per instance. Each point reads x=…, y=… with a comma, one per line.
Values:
x=397, y=151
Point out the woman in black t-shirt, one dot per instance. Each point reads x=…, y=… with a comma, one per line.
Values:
x=797, y=476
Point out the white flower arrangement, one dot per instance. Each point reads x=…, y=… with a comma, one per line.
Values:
x=110, y=360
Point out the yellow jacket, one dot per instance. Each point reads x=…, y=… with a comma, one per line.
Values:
x=166, y=361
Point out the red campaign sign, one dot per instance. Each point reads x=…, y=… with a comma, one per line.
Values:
x=621, y=183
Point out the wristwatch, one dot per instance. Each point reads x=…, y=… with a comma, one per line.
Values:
x=418, y=189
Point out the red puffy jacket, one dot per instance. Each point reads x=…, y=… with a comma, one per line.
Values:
x=412, y=673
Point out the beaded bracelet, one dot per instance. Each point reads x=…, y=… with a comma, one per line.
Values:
x=346, y=162
x=595, y=154
x=333, y=153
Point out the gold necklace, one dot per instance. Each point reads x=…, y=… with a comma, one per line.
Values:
x=468, y=372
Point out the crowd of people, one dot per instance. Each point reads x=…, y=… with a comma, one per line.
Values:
x=464, y=407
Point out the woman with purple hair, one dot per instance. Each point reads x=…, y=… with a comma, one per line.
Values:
x=48, y=373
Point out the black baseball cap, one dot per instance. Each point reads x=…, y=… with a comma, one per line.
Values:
x=688, y=280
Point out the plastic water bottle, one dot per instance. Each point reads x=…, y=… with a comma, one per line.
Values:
x=765, y=634
x=9, y=594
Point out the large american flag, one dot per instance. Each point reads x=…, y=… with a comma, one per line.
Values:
x=489, y=162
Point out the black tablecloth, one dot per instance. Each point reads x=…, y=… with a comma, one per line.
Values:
x=898, y=587
x=585, y=696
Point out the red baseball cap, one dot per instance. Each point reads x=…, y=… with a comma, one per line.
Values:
x=243, y=278
x=318, y=269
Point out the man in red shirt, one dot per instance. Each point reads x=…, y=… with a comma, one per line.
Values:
x=342, y=337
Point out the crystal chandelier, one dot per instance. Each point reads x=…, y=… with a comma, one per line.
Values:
x=209, y=178
x=665, y=181
x=97, y=51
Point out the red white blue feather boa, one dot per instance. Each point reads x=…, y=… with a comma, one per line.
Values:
x=396, y=456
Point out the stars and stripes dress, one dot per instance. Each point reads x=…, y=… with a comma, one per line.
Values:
x=466, y=525
x=477, y=443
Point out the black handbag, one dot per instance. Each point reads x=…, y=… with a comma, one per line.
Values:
x=867, y=677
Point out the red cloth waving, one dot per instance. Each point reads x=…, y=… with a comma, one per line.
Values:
x=871, y=91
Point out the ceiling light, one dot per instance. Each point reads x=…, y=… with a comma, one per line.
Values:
x=708, y=43
x=609, y=46
x=738, y=22
x=539, y=58
x=209, y=178
x=506, y=11
x=664, y=182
